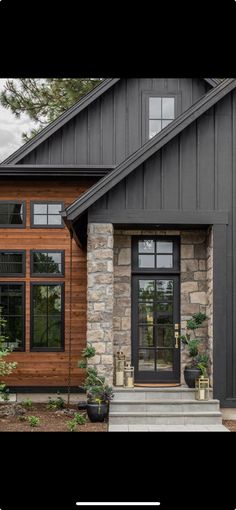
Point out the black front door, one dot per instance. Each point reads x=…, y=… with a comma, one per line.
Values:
x=156, y=310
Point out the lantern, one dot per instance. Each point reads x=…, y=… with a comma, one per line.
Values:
x=202, y=388
x=119, y=368
x=129, y=376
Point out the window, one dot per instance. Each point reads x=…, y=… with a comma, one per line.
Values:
x=161, y=113
x=12, y=305
x=47, y=262
x=12, y=263
x=46, y=214
x=47, y=317
x=12, y=214
x=157, y=254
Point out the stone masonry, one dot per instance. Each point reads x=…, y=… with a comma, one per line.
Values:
x=100, y=297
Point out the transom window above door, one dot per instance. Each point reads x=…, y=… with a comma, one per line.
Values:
x=161, y=113
x=158, y=254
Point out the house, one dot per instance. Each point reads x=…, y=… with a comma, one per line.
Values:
x=118, y=222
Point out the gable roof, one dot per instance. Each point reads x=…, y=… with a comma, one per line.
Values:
x=65, y=117
x=148, y=149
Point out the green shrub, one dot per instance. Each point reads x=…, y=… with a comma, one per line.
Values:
x=79, y=419
x=72, y=425
x=56, y=403
x=33, y=421
x=27, y=403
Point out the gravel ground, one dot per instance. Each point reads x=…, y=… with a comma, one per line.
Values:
x=230, y=424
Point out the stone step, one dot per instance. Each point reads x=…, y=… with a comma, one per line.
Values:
x=158, y=405
x=164, y=418
x=177, y=393
x=167, y=428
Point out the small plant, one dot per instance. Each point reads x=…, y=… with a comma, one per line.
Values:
x=4, y=393
x=27, y=403
x=79, y=419
x=198, y=359
x=33, y=421
x=57, y=403
x=88, y=352
x=72, y=425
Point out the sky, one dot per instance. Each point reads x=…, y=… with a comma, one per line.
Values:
x=11, y=129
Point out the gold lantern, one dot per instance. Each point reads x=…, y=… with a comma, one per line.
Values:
x=119, y=368
x=128, y=376
x=202, y=388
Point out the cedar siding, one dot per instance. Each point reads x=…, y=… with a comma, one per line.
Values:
x=48, y=368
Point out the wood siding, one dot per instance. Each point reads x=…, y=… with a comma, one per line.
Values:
x=112, y=127
x=193, y=180
x=49, y=368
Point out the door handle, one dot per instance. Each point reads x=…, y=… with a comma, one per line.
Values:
x=176, y=339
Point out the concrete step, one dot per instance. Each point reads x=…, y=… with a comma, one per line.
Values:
x=167, y=428
x=164, y=418
x=158, y=405
x=174, y=393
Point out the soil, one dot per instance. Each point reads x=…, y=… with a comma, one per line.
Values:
x=50, y=420
x=230, y=424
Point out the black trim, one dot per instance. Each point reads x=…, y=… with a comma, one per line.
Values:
x=45, y=389
x=46, y=202
x=23, y=225
x=46, y=275
x=149, y=148
x=22, y=284
x=47, y=349
x=20, y=252
x=55, y=170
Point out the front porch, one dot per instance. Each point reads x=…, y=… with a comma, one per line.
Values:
x=112, y=321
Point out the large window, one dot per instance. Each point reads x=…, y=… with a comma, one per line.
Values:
x=12, y=214
x=46, y=214
x=47, y=317
x=12, y=311
x=12, y=263
x=47, y=262
x=161, y=113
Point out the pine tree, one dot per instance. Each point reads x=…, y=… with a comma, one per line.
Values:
x=43, y=100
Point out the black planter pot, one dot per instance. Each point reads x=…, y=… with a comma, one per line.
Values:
x=97, y=412
x=190, y=375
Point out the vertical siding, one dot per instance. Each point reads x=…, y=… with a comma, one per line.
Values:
x=110, y=128
x=152, y=179
x=188, y=181
x=205, y=126
x=170, y=178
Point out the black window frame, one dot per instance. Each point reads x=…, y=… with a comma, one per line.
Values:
x=145, y=109
x=45, y=202
x=24, y=213
x=22, y=284
x=47, y=275
x=176, y=254
x=14, y=275
x=47, y=349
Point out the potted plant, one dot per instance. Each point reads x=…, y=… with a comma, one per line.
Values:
x=198, y=363
x=99, y=393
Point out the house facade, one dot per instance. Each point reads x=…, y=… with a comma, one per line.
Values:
x=117, y=225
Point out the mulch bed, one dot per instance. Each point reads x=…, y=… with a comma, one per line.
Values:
x=230, y=424
x=50, y=420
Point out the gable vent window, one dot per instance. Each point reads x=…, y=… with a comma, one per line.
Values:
x=161, y=113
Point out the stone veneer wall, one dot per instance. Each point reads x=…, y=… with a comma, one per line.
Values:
x=100, y=297
x=209, y=311
x=196, y=283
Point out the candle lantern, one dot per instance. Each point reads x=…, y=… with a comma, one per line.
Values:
x=119, y=368
x=128, y=376
x=202, y=388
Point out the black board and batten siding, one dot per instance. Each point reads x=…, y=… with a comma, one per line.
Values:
x=192, y=181
x=112, y=127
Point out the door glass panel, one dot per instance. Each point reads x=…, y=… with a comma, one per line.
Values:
x=146, y=360
x=146, y=261
x=146, y=246
x=146, y=313
x=165, y=318
x=164, y=247
x=164, y=359
x=164, y=307
x=164, y=290
x=146, y=290
x=164, y=261
x=165, y=336
x=146, y=336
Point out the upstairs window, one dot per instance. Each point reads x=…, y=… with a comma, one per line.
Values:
x=46, y=214
x=12, y=214
x=161, y=113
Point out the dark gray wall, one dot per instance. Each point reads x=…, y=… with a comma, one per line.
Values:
x=193, y=180
x=112, y=127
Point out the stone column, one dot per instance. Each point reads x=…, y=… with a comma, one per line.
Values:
x=100, y=297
